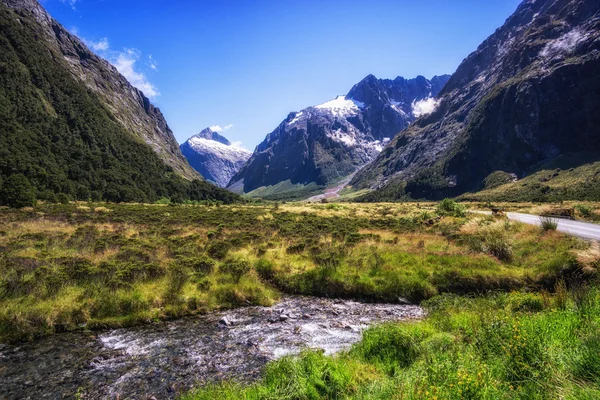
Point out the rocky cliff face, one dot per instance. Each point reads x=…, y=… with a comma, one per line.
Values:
x=529, y=93
x=128, y=104
x=330, y=141
x=214, y=157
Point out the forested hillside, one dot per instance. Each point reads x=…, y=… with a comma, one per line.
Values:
x=61, y=136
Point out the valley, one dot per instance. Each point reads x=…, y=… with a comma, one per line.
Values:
x=424, y=238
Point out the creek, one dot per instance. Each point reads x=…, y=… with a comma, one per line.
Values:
x=164, y=359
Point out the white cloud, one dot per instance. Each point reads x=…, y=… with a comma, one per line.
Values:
x=219, y=128
x=152, y=62
x=70, y=2
x=125, y=62
x=101, y=45
x=239, y=145
x=424, y=107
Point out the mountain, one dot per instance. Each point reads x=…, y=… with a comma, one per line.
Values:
x=126, y=103
x=214, y=157
x=73, y=125
x=528, y=95
x=323, y=144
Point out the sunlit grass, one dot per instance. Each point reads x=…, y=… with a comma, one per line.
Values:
x=134, y=263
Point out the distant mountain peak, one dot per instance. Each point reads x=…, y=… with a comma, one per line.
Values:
x=214, y=157
x=212, y=135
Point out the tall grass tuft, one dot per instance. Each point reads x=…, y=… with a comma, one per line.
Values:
x=548, y=224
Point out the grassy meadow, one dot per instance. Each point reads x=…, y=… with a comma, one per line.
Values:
x=512, y=309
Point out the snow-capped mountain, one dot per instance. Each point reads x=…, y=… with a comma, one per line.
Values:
x=330, y=141
x=214, y=157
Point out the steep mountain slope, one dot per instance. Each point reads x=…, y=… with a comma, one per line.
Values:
x=62, y=135
x=528, y=94
x=214, y=157
x=325, y=143
x=126, y=103
x=566, y=177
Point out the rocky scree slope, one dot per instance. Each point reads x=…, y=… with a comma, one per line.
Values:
x=529, y=93
x=127, y=104
x=330, y=141
x=214, y=157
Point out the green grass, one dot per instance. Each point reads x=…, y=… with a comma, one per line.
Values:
x=502, y=346
x=80, y=266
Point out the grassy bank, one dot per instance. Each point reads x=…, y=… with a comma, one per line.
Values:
x=80, y=266
x=503, y=346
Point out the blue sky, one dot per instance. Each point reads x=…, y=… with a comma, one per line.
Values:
x=245, y=64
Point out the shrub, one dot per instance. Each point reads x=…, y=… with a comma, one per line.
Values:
x=177, y=278
x=265, y=269
x=17, y=192
x=584, y=210
x=203, y=265
x=526, y=302
x=548, y=224
x=391, y=346
x=218, y=249
x=329, y=258
x=235, y=268
x=451, y=207
x=63, y=198
x=295, y=248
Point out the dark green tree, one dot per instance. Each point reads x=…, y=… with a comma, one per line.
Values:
x=17, y=192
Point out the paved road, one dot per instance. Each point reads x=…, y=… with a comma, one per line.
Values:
x=583, y=230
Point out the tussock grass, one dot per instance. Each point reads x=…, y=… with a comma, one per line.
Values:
x=135, y=263
x=549, y=224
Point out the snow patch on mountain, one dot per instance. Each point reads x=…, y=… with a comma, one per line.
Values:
x=232, y=152
x=343, y=137
x=342, y=107
x=296, y=118
x=564, y=44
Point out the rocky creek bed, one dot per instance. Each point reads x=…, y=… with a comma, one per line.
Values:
x=163, y=359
